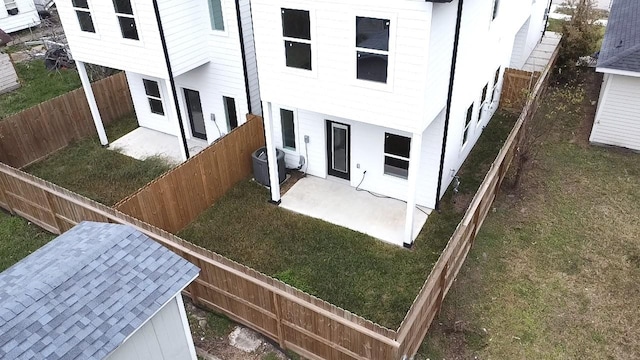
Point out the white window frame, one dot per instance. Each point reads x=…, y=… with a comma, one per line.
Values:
x=496, y=81
x=469, y=114
x=314, y=63
x=135, y=20
x=385, y=155
x=164, y=108
x=295, y=138
x=225, y=110
x=8, y=6
x=90, y=11
x=393, y=23
x=223, y=32
x=295, y=129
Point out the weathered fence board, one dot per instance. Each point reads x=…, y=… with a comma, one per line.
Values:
x=517, y=87
x=178, y=197
x=36, y=132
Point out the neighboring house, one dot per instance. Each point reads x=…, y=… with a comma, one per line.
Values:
x=617, y=120
x=190, y=63
x=17, y=15
x=361, y=89
x=8, y=77
x=99, y=291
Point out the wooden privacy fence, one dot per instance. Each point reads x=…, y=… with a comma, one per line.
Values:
x=297, y=321
x=517, y=87
x=34, y=133
x=178, y=197
x=429, y=300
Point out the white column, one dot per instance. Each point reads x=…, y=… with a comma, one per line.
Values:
x=93, y=106
x=412, y=186
x=271, y=152
x=173, y=116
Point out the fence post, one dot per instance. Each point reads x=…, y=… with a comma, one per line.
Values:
x=4, y=185
x=443, y=285
x=276, y=304
x=53, y=212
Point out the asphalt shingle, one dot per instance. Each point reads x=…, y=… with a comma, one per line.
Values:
x=621, y=45
x=82, y=294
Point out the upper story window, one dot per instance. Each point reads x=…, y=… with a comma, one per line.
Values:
x=84, y=15
x=467, y=123
x=372, y=48
x=296, y=30
x=215, y=12
x=11, y=6
x=152, y=89
x=496, y=5
x=396, y=155
x=127, y=21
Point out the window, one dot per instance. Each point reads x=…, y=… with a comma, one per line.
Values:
x=152, y=89
x=496, y=5
x=230, y=112
x=296, y=30
x=288, y=129
x=127, y=21
x=11, y=6
x=84, y=15
x=467, y=122
x=483, y=99
x=396, y=155
x=372, y=49
x=215, y=12
x=496, y=79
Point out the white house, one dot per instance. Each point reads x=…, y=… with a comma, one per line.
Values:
x=190, y=64
x=98, y=291
x=365, y=91
x=17, y=15
x=617, y=120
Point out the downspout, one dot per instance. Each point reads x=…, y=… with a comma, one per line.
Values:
x=244, y=56
x=452, y=74
x=546, y=20
x=171, y=80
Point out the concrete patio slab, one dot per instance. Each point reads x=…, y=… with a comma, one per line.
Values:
x=337, y=202
x=143, y=143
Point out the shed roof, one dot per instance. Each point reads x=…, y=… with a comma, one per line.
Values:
x=621, y=46
x=81, y=295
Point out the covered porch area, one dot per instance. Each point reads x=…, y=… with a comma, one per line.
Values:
x=335, y=201
x=143, y=143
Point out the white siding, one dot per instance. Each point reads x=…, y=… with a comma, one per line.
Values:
x=141, y=104
x=27, y=16
x=367, y=154
x=518, y=58
x=332, y=87
x=107, y=47
x=250, y=56
x=8, y=76
x=184, y=23
x=617, y=119
x=161, y=338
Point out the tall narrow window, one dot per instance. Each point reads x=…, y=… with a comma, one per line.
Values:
x=127, y=21
x=396, y=155
x=230, y=112
x=372, y=48
x=467, y=123
x=296, y=30
x=11, y=6
x=152, y=89
x=483, y=99
x=496, y=79
x=215, y=12
x=496, y=5
x=84, y=15
x=288, y=129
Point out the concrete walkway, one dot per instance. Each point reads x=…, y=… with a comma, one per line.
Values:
x=337, y=202
x=142, y=143
x=541, y=55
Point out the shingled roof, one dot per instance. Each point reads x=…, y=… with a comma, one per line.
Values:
x=81, y=295
x=621, y=45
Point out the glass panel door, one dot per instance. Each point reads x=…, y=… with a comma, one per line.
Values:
x=196, y=117
x=338, y=149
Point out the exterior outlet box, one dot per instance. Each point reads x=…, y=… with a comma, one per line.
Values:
x=306, y=139
x=358, y=166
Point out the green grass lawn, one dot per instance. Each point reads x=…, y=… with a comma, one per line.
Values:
x=100, y=174
x=346, y=268
x=18, y=238
x=37, y=85
x=555, y=270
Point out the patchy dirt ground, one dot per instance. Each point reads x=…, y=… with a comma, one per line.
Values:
x=218, y=338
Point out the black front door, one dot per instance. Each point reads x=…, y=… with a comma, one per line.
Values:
x=196, y=117
x=338, y=150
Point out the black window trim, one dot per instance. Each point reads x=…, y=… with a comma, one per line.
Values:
x=308, y=42
x=365, y=50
